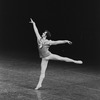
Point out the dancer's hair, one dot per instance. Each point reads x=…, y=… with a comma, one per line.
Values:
x=48, y=34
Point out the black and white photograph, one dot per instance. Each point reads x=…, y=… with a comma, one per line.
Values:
x=49, y=50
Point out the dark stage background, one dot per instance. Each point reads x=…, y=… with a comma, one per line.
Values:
x=77, y=21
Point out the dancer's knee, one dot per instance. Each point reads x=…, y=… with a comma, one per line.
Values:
x=42, y=75
x=60, y=58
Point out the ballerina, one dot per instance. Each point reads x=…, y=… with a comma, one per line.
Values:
x=45, y=54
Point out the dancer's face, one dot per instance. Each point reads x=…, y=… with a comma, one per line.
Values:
x=44, y=35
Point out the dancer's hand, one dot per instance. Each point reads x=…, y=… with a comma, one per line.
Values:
x=69, y=42
x=32, y=21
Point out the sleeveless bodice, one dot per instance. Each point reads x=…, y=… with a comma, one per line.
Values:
x=43, y=47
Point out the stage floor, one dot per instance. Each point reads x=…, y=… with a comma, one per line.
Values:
x=19, y=77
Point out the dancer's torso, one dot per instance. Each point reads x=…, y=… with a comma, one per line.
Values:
x=43, y=46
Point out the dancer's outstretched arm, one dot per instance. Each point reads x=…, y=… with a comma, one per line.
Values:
x=60, y=42
x=35, y=29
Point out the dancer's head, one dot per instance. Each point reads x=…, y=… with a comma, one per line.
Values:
x=46, y=34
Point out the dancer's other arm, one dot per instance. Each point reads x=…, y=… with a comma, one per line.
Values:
x=60, y=42
x=35, y=29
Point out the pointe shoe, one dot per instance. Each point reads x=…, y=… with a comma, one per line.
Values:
x=79, y=62
x=39, y=86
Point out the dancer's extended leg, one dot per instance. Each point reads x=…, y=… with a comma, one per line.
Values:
x=44, y=64
x=66, y=59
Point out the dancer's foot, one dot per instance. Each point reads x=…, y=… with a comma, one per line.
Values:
x=78, y=62
x=38, y=86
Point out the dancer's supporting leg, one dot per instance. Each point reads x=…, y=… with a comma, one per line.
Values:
x=66, y=59
x=44, y=64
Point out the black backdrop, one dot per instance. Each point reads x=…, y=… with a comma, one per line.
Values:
x=76, y=20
